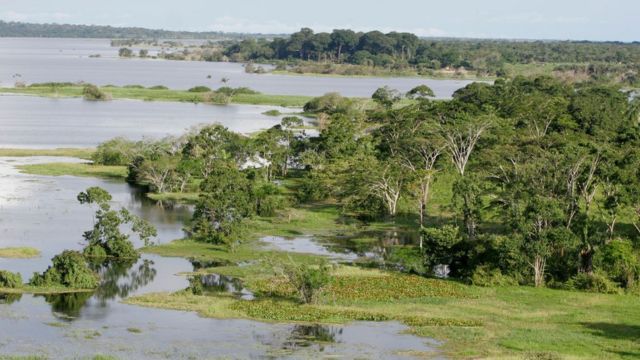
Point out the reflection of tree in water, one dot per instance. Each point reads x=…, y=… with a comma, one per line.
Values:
x=308, y=335
x=9, y=298
x=68, y=305
x=216, y=283
x=119, y=278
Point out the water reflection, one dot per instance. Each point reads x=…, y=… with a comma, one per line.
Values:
x=308, y=335
x=119, y=279
x=9, y=298
x=214, y=283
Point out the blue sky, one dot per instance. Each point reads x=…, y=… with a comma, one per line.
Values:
x=533, y=19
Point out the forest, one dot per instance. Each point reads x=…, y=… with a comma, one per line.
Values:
x=495, y=192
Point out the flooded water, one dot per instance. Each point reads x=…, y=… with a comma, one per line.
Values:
x=36, y=122
x=42, y=212
x=43, y=60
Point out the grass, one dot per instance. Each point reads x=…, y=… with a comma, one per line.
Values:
x=40, y=290
x=158, y=95
x=82, y=153
x=509, y=322
x=75, y=169
x=19, y=253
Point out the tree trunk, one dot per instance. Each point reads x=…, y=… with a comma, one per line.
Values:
x=538, y=270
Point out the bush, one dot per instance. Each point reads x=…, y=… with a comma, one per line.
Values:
x=199, y=89
x=596, y=282
x=307, y=279
x=158, y=87
x=330, y=103
x=134, y=86
x=92, y=92
x=486, y=276
x=69, y=269
x=117, y=151
x=236, y=91
x=216, y=98
x=10, y=280
x=272, y=112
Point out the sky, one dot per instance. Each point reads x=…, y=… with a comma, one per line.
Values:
x=599, y=20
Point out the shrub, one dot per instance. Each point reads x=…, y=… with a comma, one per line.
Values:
x=117, y=151
x=158, y=87
x=307, y=279
x=92, y=92
x=216, y=98
x=596, y=282
x=69, y=269
x=486, y=276
x=10, y=280
x=272, y=112
x=199, y=89
x=330, y=103
x=134, y=87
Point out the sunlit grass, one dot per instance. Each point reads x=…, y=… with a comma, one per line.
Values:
x=19, y=253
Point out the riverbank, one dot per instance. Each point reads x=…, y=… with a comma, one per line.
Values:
x=161, y=94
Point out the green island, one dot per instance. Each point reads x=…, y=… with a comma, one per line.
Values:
x=198, y=94
x=505, y=232
x=19, y=253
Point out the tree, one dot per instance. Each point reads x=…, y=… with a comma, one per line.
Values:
x=106, y=239
x=460, y=142
x=125, y=52
x=223, y=205
x=342, y=40
x=421, y=92
x=386, y=97
x=439, y=245
x=69, y=269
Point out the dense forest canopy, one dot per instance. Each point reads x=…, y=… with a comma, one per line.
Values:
x=536, y=180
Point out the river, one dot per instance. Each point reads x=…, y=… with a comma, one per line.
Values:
x=34, y=60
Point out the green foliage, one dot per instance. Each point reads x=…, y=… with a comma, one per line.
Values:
x=620, y=261
x=439, y=244
x=199, y=89
x=10, y=280
x=92, y=92
x=224, y=204
x=106, y=239
x=330, y=103
x=485, y=276
x=69, y=269
x=596, y=282
x=306, y=279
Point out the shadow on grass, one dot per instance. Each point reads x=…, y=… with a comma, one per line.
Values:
x=615, y=331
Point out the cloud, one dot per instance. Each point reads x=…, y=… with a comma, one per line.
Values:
x=34, y=17
x=241, y=25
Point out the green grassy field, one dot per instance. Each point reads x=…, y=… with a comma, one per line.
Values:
x=82, y=153
x=75, y=169
x=19, y=253
x=158, y=95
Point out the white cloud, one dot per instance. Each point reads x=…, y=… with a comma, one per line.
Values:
x=241, y=25
x=34, y=17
